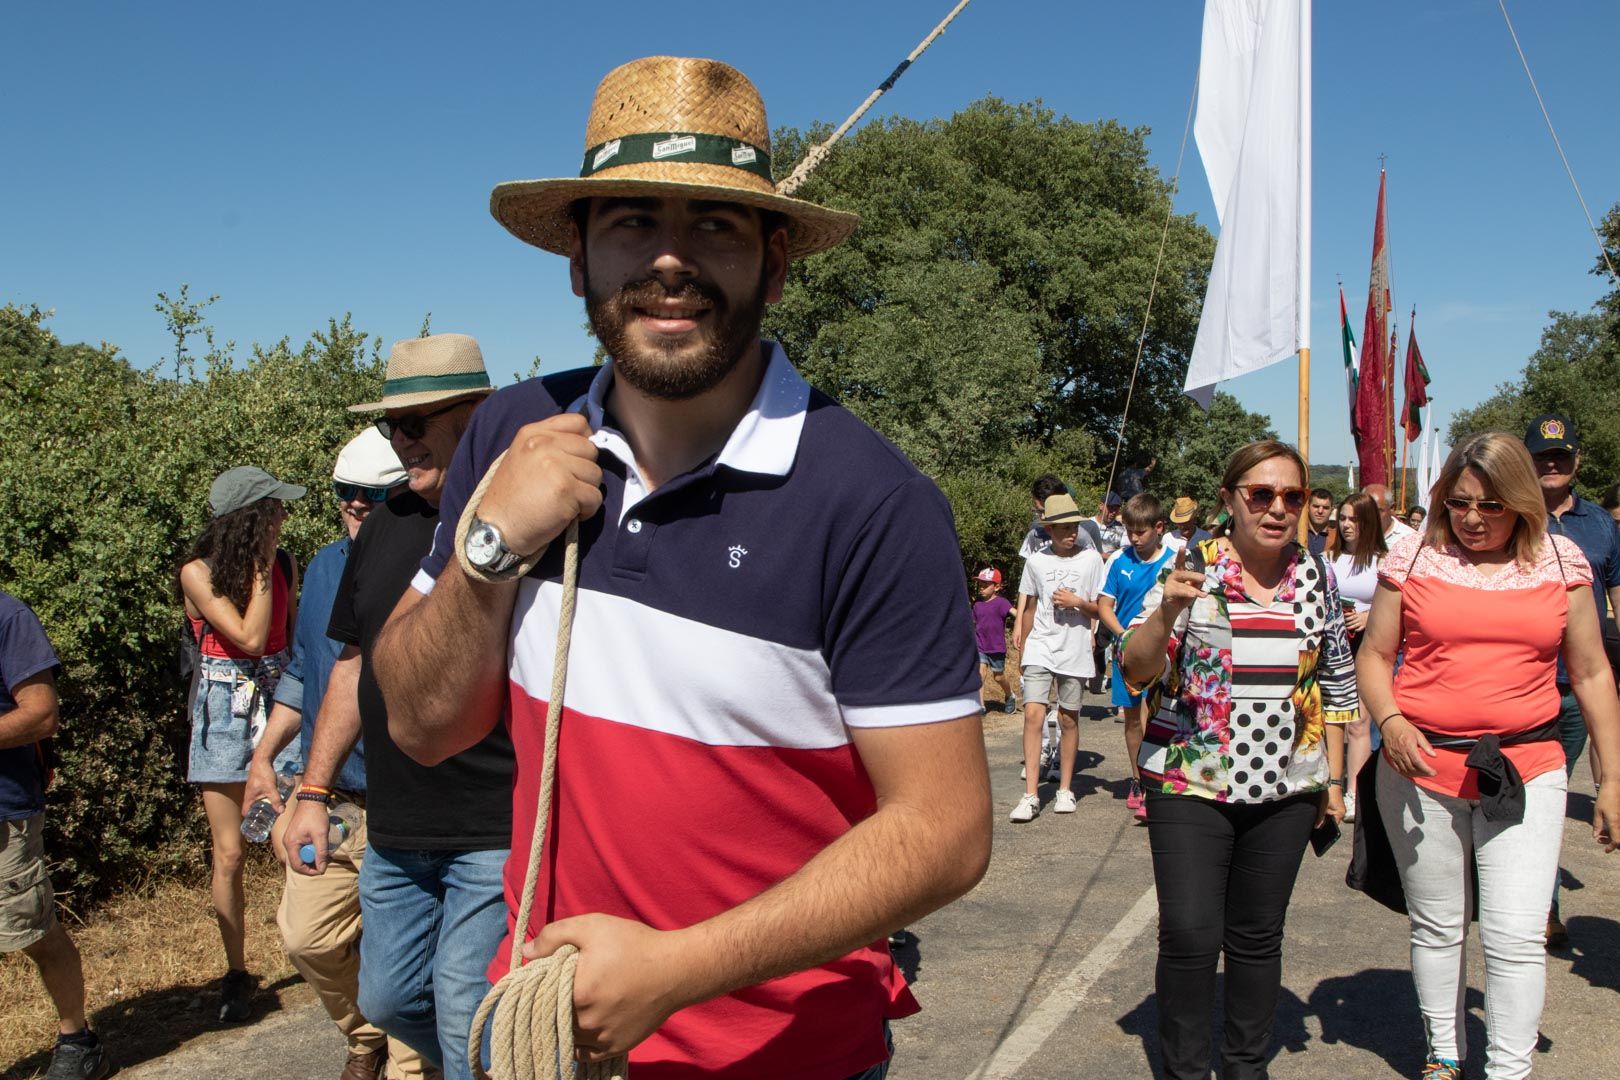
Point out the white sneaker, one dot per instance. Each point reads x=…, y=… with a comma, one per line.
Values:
x=1349, y=808
x=1064, y=802
x=1027, y=808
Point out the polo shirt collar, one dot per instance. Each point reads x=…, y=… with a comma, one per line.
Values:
x=765, y=440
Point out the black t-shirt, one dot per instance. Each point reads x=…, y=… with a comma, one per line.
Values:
x=463, y=804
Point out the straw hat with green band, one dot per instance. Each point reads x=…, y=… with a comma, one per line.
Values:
x=669, y=127
x=428, y=369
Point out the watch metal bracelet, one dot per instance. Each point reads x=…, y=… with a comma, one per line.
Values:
x=469, y=515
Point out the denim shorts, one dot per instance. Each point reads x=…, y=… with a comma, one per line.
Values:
x=223, y=732
x=996, y=662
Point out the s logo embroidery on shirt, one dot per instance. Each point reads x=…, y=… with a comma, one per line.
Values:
x=735, y=555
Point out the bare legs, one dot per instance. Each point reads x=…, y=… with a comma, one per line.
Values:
x=1134, y=731
x=223, y=803
x=58, y=961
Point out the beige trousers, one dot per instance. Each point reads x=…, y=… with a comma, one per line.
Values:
x=319, y=918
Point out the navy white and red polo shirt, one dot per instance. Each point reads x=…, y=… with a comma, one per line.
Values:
x=732, y=627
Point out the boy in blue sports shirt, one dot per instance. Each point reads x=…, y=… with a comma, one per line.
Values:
x=1132, y=586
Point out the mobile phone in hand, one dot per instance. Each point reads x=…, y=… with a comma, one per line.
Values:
x=1192, y=559
x=1324, y=836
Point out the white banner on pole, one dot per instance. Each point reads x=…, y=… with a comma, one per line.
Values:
x=1249, y=132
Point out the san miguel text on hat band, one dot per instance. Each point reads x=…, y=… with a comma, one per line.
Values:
x=689, y=146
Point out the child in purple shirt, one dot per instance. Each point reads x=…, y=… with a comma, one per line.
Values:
x=990, y=614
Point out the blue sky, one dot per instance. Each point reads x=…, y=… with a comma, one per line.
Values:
x=304, y=160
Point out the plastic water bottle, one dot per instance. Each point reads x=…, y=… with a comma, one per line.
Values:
x=261, y=815
x=342, y=819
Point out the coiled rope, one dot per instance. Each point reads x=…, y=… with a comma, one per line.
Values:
x=532, y=1037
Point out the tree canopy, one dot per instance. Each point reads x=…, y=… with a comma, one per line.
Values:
x=985, y=314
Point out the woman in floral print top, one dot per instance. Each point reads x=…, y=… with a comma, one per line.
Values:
x=1251, y=680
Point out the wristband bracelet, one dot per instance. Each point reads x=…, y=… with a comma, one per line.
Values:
x=1336, y=781
x=313, y=796
x=1390, y=717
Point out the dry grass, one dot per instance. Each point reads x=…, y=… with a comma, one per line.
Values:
x=150, y=962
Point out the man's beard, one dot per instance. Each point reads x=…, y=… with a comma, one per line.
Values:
x=681, y=371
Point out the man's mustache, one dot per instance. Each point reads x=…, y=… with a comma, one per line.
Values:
x=650, y=292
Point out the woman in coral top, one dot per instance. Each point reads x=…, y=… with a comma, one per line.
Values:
x=1482, y=602
x=238, y=593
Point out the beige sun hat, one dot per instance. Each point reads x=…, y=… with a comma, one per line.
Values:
x=669, y=126
x=432, y=368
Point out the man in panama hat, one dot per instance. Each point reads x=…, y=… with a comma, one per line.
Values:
x=771, y=753
x=434, y=838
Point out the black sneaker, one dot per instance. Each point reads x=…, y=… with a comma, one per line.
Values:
x=75, y=1061
x=236, y=996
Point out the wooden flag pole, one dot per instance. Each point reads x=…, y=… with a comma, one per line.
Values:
x=1404, y=446
x=1302, y=301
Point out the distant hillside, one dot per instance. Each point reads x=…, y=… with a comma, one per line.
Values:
x=1336, y=479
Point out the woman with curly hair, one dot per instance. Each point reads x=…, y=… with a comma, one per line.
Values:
x=238, y=590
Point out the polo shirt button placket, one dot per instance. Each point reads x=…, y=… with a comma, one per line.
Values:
x=634, y=547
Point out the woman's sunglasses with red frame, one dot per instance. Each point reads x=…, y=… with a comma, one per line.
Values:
x=1259, y=497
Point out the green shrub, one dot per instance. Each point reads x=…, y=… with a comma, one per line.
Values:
x=104, y=474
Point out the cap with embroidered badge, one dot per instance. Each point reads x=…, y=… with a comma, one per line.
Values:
x=1551, y=431
x=989, y=575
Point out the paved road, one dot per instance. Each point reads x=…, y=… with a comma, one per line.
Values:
x=1046, y=969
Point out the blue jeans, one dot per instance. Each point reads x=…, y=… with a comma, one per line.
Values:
x=433, y=920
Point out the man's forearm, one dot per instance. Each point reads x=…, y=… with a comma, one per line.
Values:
x=441, y=663
x=337, y=725
x=279, y=729
x=896, y=866
x=25, y=727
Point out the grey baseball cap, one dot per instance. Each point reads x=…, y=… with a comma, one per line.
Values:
x=245, y=485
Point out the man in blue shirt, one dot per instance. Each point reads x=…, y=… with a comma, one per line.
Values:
x=27, y=905
x=1556, y=447
x=319, y=917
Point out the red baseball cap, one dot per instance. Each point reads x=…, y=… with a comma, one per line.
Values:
x=990, y=574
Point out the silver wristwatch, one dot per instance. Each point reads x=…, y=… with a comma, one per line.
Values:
x=486, y=549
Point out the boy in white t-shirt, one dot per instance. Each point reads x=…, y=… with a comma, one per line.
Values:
x=1054, y=638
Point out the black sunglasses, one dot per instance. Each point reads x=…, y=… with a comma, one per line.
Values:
x=1488, y=508
x=412, y=425
x=1261, y=496
x=346, y=492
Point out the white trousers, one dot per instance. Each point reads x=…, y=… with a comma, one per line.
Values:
x=1431, y=835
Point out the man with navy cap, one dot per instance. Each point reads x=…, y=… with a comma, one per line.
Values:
x=1555, y=445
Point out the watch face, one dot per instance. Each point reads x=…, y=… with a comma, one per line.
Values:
x=482, y=545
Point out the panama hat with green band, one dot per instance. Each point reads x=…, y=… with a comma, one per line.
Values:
x=428, y=369
x=669, y=127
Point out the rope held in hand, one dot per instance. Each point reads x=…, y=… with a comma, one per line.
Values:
x=532, y=1037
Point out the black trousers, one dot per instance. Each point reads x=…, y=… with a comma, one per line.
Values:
x=1224, y=873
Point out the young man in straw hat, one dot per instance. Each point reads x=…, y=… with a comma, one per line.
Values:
x=430, y=881
x=770, y=648
x=319, y=917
